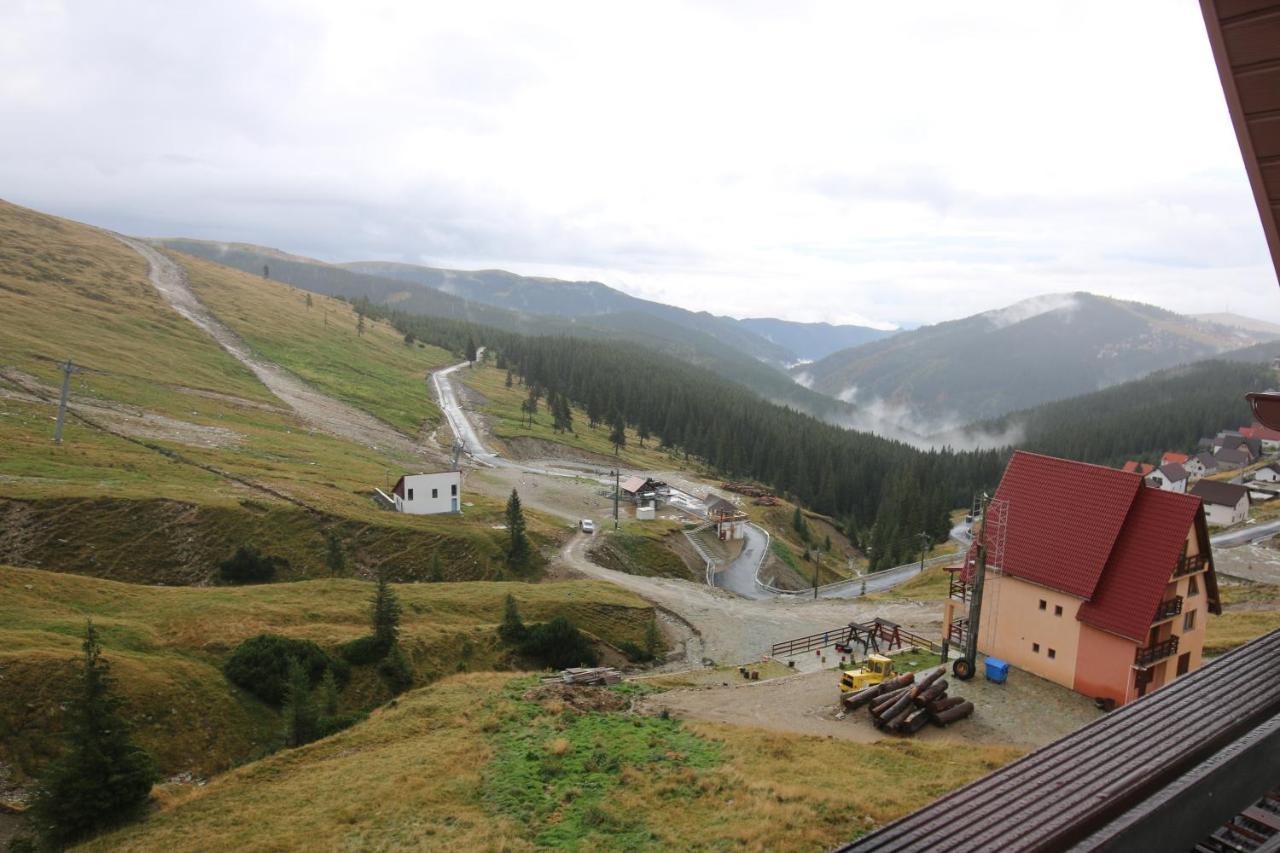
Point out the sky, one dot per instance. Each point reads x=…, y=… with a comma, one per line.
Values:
x=883, y=163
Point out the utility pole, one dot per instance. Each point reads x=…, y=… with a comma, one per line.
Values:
x=617, y=477
x=817, y=570
x=67, y=370
x=965, y=666
x=924, y=547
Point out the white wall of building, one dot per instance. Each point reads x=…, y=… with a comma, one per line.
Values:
x=1224, y=516
x=429, y=494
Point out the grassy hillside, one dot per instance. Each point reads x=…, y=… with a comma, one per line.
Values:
x=375, y=371
x=511, y=770
x=166, y=646
x=179, y=437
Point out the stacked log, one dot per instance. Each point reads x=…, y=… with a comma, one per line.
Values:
x=751, y=490
x=905, y=704
x=589, y=677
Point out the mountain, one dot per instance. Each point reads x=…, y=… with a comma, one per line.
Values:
x=1046, y=348
x=812, y=341
x=573, y=299
x=702, y=339
x=1236, y=321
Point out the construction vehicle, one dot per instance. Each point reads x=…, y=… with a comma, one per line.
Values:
x=877, y=668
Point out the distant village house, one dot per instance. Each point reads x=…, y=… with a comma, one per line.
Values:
x=1224, y=503
x=1170, y=477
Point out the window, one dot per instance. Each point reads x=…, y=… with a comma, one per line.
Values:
x=1189, y=620
x=1057, y=610
x=1193, y=587
x=1043, y=604
x=1184, y=663
x=411, y=494
x=1053, y=653
x=435, y=493
x=1035, y=647
x=453, y=490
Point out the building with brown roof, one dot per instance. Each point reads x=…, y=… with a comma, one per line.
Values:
x=1095, y=580
x=1224, y=503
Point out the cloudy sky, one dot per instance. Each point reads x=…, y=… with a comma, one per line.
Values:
x=856, y=162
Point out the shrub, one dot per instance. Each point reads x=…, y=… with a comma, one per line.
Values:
x=362, y=651
x=558, y=644
x=634, y=653
x=512, y=630
x=395, y=671
x=336, y=723
x=249, y=565
x=261, y=665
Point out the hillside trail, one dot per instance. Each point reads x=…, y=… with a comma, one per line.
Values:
x=319, y=411
x=735, y=630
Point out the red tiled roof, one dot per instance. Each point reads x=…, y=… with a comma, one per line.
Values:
x=1144, y=557
x=1063, y=520
x=1142, y=468
x=1247, y=432
x=1180, y=458
x=1264, y=433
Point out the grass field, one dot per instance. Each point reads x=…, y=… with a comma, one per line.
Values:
x=1249, y=610
x=374, y=371
x=644, y=548
x=166, y=645
x=423, y=775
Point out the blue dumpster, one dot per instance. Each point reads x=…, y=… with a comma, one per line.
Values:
x=997, y=670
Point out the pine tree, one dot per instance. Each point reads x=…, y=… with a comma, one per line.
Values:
x=409, y=339
x=329, y=693
x=334, y=559
x=437, y=574
x=512, y=630
x=652, y=639
x=301, y=723
x=308, y=301
x=385, y=613
x=103, y=778
x=471, y=349
x=508, y=382
x=618, y=433
x=642, y=432
x=359, y=322
x=518, y=551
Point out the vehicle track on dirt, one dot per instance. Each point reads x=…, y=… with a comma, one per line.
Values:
x=318, y=410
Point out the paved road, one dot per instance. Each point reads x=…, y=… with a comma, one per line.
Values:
x=739, y=576
x=1245, y=535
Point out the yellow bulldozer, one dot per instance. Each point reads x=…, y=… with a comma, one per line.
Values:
x=877, y=668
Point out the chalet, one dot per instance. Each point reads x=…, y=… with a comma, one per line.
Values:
x=1248, y=445
x=1140, y=468
x=641, y=489
x=729, y=520
x=1224, y=503
x=1095, y=582
x=1227, y=438
x=1227, y=458
x=1268, y=473
x=428, y=494
x=1205, y=462
x=1194, y=468
x=1170, y=477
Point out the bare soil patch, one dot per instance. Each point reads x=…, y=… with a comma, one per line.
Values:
x=557, y=697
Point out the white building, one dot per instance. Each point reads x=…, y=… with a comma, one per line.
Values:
x=1224, y=503
x=428, y=494
x=1268, y=474
x=1170, y=477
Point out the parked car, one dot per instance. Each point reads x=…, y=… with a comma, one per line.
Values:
x=587, y=525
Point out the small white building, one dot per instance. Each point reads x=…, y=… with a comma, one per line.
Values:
x=1170, y=477
x=1224, y=503
x=1268, y=473
x=428, y=494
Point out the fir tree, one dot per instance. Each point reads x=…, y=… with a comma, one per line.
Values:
x=385, y=613
x=308, y=300
x=642, y=432
x=359, y=322
x=102, y=779
x=518, y=550
x=301, y=723
x=512, y=630
x=508, y=382
x=334, y=559
x=652, y=639
x=329, y=693
x=618, y=433
x=471, y=350
x=437, y=574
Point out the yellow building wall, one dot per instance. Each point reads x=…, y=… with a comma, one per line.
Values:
x=1105, y=666
x=1013, y=625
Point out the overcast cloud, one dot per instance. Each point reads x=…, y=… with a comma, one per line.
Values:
x=841, y=161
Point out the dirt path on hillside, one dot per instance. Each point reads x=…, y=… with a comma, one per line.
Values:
x=317, y=410
x=736, y=630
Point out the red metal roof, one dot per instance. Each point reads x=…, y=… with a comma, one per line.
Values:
x=1263, y=433
x=1144, y=557
x=1142, y=468
x=1180, y=458
x=1063, y=520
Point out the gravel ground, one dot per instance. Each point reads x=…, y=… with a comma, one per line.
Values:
x=1027, y=711
x=1257, y=562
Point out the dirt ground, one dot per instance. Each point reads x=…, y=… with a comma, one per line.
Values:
x=1259, y=561
x=1027, y=711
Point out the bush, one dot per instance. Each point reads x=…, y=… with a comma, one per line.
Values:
x=558, y=644
x=261, y=665
x=395, y=671
x=362, y=651
x=338, y=722
x=634, y=653
x=249, y=565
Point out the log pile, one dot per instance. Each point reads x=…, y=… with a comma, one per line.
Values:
x=751, y=490
x=589, y=677
x=904, y=704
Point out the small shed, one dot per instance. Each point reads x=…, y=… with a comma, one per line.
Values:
x=729, y=520
x=428, y=494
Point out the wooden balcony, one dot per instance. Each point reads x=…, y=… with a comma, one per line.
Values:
x=1149, y=655
x=1168, y=609
x=1189, y=565
x=956, y=586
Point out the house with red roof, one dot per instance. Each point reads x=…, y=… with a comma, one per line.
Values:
x=1094, y=579
x=1143, y=468
x=1174, y=458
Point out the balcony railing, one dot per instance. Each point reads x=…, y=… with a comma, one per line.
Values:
x=1189, y=565
x=1157, y=652
x=956, y=587
x=1168, y=609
